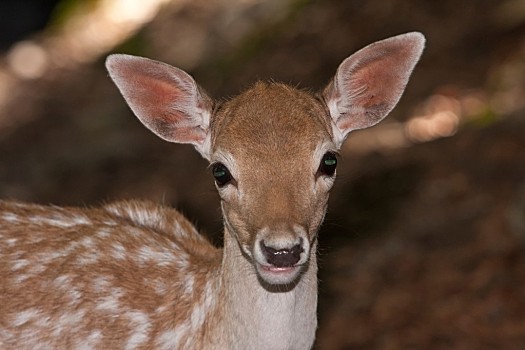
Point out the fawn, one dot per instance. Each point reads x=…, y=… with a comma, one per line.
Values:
x=137, y=275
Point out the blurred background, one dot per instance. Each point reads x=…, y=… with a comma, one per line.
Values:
x=423, y=245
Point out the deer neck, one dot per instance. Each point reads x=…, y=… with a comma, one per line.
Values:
x=267, y=317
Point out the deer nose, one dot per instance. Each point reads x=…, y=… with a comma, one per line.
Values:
x=285, y=257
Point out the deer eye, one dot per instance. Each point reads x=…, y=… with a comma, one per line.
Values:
x=328, y=164
x=221, y=174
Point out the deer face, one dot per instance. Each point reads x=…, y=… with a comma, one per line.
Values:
x=273, y=158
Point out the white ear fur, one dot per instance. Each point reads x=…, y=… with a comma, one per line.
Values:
x=369, y=83
x=165, y=99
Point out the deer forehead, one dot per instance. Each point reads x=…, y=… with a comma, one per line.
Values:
x=271, y=123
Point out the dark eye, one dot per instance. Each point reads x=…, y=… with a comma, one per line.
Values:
x=328, y=164
x=221, y=174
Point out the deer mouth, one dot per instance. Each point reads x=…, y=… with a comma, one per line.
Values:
x=276, y=275
x=279, y=270
x=279, y=259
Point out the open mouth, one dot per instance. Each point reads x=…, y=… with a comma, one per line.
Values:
x=281, y=270
x=278, y=275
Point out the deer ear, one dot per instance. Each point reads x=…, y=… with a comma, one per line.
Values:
x=369, y=83
x=165, y=99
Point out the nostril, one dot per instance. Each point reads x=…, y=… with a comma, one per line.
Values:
x=286, y=257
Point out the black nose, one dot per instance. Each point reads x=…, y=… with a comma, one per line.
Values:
x=282, y=257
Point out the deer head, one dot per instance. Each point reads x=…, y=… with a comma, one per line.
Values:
x=273, y=148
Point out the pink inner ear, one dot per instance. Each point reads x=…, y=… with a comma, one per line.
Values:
x=379, y=81
x=165, y=99
x=372, y=91
x=369, y=83
x=161, y=106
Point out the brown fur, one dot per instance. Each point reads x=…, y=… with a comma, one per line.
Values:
x=70, y=265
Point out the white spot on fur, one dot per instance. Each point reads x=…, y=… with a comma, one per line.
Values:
x=108, y=303
x=177, y=230
x=181, y=262
x=10, y=217
x=140, y=332
x=82, y=220
x=37, y=269
x=189, y=281
x=36, y=239
x=140, y=216
x=147, y=254
x=87, y=242
x=171, y=339
x=94, y=335
x=68, y=322
x=69, y=249
x=20, y=264
x=88, y=258
x=110, y=223
x=118, y=251
x=101, y=284
x=104, y=233
x=159, y=286
x=49, y=257
x=25, y=316
x=18, y=279
x=111, y=301
x=160, y=309
x=63, y=222
x=198, y=315
x=92, y=341
x=63, y=281
x=209, y=294
x=200, y=311
x=11, y=242
x=75, y=297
